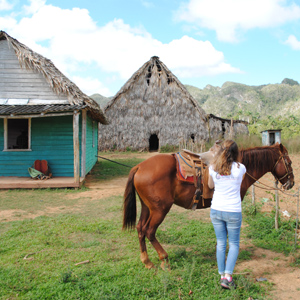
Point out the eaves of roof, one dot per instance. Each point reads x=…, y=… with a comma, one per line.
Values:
x=37, y=109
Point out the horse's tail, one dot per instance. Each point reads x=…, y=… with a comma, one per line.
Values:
x=129, y=205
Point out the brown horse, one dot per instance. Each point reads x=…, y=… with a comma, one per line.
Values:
x=158, y=188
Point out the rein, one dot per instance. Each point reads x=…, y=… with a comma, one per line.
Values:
x=114, y=161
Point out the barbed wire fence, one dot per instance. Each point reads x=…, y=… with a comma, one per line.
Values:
x=277, y=210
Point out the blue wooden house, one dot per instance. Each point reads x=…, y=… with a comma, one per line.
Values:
x=43, y=116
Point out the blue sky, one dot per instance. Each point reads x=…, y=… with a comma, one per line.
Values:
x=100, y=44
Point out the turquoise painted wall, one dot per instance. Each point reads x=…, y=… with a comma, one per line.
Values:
x=51, y=139
x=91, y=144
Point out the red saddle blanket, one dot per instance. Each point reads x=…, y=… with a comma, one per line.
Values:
x=184, y=168
x=185, y=173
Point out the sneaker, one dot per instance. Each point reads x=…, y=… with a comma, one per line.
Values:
x=228, y=284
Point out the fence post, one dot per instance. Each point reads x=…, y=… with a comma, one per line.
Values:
x=277, y=204
x=297, y=218
x=253, y=194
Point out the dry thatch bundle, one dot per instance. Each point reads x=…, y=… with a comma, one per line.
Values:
x=59, y=82
x=152, y=109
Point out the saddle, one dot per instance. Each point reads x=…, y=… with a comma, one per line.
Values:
x=192, y=169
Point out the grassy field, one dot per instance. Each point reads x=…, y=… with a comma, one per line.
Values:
x=39, y=257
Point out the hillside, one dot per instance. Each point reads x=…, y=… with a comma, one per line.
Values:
x=101, y=100
x=235, y=99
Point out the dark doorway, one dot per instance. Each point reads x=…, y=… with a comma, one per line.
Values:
x=223, y=129
x=153, y=142
x=193, y=138
x=272, y=138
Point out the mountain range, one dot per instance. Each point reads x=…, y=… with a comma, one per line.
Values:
x=241, y=101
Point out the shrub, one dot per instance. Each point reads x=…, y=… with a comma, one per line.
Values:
x=292, y=144
x=169, y=148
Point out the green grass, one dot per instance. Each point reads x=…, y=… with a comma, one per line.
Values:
x=56, y=244
x=262, y=230
x=90, y=229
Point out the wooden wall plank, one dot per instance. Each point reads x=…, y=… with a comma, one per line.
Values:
x=91, y=151
x=76, y=147
x=11, y=74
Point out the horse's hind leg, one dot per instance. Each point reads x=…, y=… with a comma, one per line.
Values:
x=141, y=224
x=155, y=219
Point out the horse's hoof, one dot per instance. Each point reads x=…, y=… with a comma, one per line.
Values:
x=165, y=266
x=149, y=265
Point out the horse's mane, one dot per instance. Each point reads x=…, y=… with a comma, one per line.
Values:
x=259, y=158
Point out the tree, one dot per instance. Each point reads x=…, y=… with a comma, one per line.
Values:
x=289, y=81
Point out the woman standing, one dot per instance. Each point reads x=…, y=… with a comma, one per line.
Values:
x=226, y=175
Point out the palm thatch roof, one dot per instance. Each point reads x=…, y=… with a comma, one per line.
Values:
x=162, y=69
x=152, y=109
x=59, y=82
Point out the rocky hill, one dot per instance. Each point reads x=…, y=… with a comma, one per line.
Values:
x=235, y=99
x=243, y=101
x=101, y=100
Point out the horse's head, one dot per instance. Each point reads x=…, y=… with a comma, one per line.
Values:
x=208, y=156
x=216, y=148
x=282, y=169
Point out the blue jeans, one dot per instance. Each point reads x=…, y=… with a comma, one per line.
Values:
x=227, y=223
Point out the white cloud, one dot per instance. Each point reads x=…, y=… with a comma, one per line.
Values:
x=230, y=18
x=293, y=42
x=147, y=4
x=188, y=58
x=116, y=49
x=34, y=6
x=91, y=85
x=4, y=5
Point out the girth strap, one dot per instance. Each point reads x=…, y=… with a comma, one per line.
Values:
x=198, y=173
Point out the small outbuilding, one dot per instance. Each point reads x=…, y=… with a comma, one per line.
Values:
x=153, y=109
x=43, y=116
x=271, y=136
x=220, y=128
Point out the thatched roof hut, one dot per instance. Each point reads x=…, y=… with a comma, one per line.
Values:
x=151, y=110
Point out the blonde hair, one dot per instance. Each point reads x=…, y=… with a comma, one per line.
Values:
x=228, y=154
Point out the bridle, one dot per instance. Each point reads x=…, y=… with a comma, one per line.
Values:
x=288, y=173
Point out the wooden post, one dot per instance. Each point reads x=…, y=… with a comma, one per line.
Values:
x=253, y=195
x=5, y=133
x=297, y=219
x=277, y=204
x=76, y=147
x=83, y=143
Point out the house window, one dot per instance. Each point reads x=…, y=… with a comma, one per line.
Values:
x=17, y=134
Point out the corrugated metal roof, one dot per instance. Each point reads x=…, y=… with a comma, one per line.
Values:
x=37, y=109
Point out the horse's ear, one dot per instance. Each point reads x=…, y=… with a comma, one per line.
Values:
x=281, y=147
